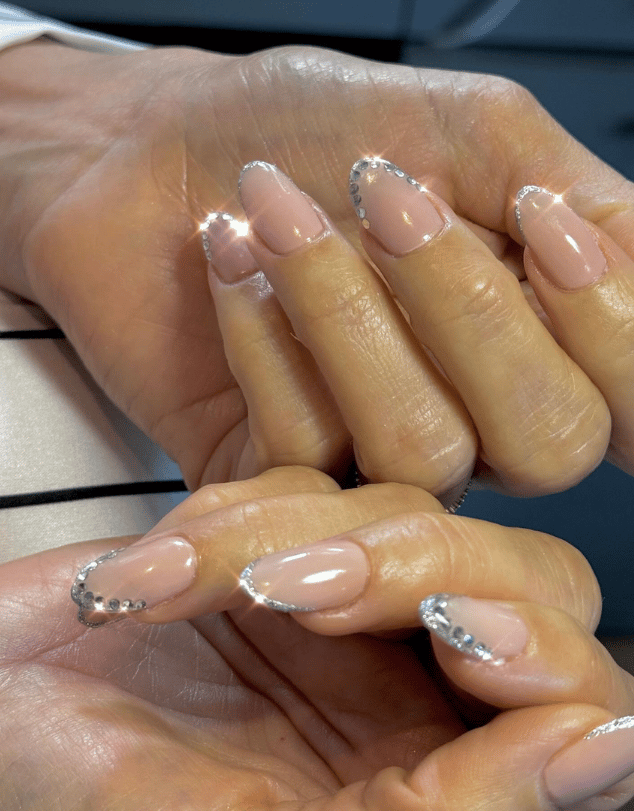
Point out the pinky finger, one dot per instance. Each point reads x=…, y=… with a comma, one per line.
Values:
x=293, y=418
x=534, y=759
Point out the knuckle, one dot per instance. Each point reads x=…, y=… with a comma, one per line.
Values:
x=428, y=458
x=481, y=300
x=555, y=449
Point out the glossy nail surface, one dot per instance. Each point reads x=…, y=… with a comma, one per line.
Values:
x=140, y=576
x=225, y=245
x=604, y=757
x=563, y=248
x=393, y=206
x=323, y=575
x=484, y=629
x=278, y=212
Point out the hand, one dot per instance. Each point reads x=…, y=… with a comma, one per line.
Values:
x=535, y=416
x=251, y=709
x=103, y=200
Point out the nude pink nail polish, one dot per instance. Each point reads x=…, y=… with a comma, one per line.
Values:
x=563, y=248
x=600, y=760
x=393, y=206
x=323, y=575
x=149, y=572
x=277, y=210
x=225, y=245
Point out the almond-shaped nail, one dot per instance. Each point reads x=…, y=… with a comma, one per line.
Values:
x=319, y=576
x=136, y=577
x=278, y=212
x=225, y=245
x=485, y=629
x=393, y=206
x=562, y=246
x=600, y=760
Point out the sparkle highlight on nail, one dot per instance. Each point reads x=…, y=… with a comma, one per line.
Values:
x=625, y=722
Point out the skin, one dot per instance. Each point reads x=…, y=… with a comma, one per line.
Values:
x=234, y=710
x=103, y=203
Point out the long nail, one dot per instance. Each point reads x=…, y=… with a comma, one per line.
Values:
x=278, y=212
x=134, y=578
x=393, y=206
x=562, y=246
x=600, y=760
x=322, y=575
x=225, y=245
x=484, y=629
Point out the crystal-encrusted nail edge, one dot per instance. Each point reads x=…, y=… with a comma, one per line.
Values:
x=373, y=163
x=95, y=604
x=520, y=196
x=215, y=215
x=625, y=722
x=247, y=585
x=432, y=613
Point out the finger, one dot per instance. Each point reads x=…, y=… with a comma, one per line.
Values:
x=275, y=482
x=194, y=568
x=534, y=759
x=396, y=562
x=585, y=282
x=293, y=418
x=542, y=423
x=407, y=423
x=388, y=547
x=513, y=654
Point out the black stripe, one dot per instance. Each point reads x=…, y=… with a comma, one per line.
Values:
x=98, y=491
x=30, y=334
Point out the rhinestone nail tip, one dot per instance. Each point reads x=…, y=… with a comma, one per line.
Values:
x=89, y=602
x=373, y=163
x=215, y=215
x=247, y=585
x=520, y=196
x=432, y=613
x=626, y=722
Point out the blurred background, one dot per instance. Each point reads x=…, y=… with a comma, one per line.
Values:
x=576, y=56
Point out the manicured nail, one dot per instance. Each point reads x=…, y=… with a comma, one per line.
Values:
x=277, y=210
x=225, y=245
x=601, y=759
x=393, y=206
x=133, y=578
x=563, y=248
x=322, y=575
x=487, y=630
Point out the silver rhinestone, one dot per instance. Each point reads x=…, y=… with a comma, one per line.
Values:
x=113, y=605
x=361, y=213
x=354, y=175
x=99, y=601
x=468, y=640
x=140, y=604
x=354, y=188
x=363, y=165
x=389, y=167
x=411, y=180
x=127, y=604
x=419, y=187
x=89, y=597
x=81, y=586
x=458, y=633
x=357, y=199
x=399, y=173
x=441, y=619
x=375, y=164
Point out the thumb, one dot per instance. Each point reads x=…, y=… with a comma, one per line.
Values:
x=532, y=759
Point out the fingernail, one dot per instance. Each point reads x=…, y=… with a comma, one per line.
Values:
x=225, y=246
x=393, y=206
x=136, y=577
x=483, y=629
x=277, y=210
x=604, y=757
x=563, y=248
x=323, y=575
